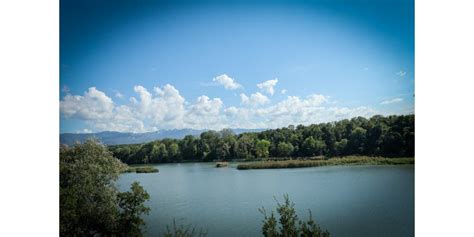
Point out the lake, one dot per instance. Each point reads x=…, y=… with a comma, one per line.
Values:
x=346, y=200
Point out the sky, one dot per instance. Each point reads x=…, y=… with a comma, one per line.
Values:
x=141, y=66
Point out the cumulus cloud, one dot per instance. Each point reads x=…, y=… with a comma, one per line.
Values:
x=94, y=104
x=293, y=110
x=254, y=99
x=206, y=106
x=165, y=108
x=227, y=82
x=311, y=109
x=205, y=113
x=392, y=101
x=283, y=91
x=231, y=111
x=268, y=86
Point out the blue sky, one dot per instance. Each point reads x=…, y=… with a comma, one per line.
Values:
x=140, y=66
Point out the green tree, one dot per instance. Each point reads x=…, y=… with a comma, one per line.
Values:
x=261, y=148
x=209, y=141
x=132, y=206
x=173, y=151
x=159, y=152
x=289, y=223
x=245, y=146
x=223, y=150
x=89, y=199
x=357, y=140
x=340, y=147
x=189, y=147
x=313, y=147
x=284, y=149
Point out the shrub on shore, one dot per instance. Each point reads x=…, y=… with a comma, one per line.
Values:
x=289, y=223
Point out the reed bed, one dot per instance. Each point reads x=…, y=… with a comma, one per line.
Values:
x=349, y=160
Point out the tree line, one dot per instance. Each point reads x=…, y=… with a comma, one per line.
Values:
x=390, y=136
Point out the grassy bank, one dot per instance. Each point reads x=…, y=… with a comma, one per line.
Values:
x=349, y=160
x=143, y=169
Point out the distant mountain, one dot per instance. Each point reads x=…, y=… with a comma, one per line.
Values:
x=115, y=138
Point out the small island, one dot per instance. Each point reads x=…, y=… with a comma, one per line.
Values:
x=142, y=169
x=222, y=164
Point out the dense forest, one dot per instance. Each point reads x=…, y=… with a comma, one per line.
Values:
x=391, y=136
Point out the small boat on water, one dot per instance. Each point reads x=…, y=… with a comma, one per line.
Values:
x=222, y=164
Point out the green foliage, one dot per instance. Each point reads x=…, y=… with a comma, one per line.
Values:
x=245, y=146
x=261, y=148
x=312, y=147
x=90, y=204
x=289, y=224
x=357, y=140
x=131, y=208
x=392, y=136
x=270, y=224
x=183, y=231
x=284, y=149
x=174, y=151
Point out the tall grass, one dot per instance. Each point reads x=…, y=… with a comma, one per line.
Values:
x=349, y=160
x=143, y=169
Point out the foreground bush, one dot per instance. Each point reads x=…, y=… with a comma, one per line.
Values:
x=90, y=204
x=289, y=223
x=183, y=231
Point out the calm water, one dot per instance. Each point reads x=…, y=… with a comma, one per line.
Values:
x=347, y=200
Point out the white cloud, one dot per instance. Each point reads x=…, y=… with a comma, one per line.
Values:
x=268, y=86
x=231, y=111
x=119, y=95
x=392, y=101
x=94, y=104
x=143, y=114
x=124, y=119
x=283, y=91
x=166, y=108
x=401, y=73
x=254, y=99
x=205, y=106
x=293, y=110
x=227, y=82
x=85, y=130
x=205, y=113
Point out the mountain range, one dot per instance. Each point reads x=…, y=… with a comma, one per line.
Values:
x=116, y=138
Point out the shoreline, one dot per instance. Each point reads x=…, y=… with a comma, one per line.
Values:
x=300, y=162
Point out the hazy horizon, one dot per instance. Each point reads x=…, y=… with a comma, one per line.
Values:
x=207, y=129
